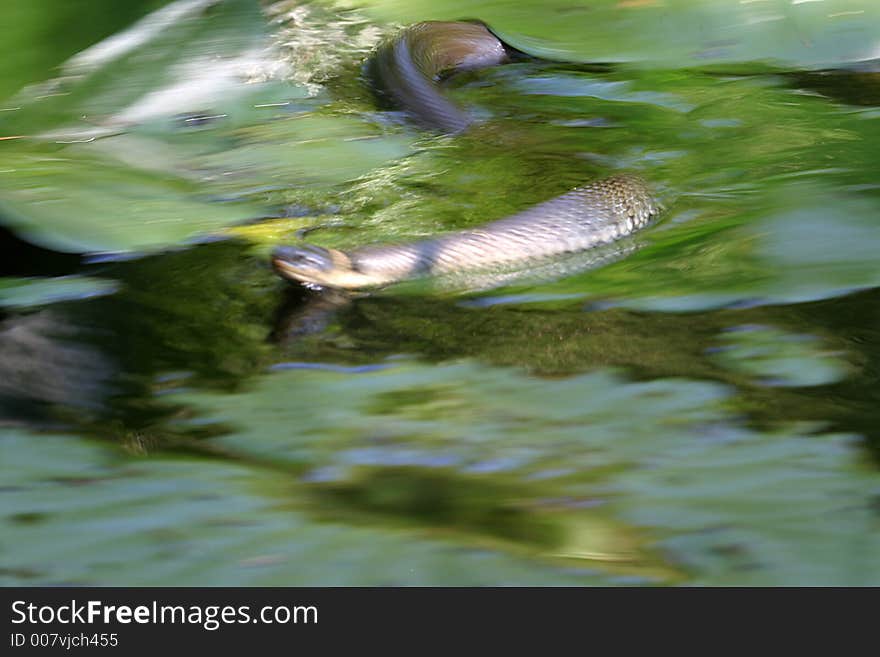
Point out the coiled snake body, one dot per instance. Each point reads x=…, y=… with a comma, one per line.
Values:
x=405, y=71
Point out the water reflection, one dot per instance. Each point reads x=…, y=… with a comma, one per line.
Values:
x=216, y=314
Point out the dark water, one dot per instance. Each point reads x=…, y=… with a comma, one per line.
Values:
x=703, y=411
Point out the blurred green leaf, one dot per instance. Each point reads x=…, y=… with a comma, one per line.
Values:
x=761, y=510
x=71, y=201
x=666, y=33
x=776, y=358
x=109, y=161
x=43, y=33
x=89, y=515
x=27, y=292
x=664, y=445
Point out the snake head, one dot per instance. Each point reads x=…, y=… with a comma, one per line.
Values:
x=305, y=263
x=315, y=266
x=305, y=257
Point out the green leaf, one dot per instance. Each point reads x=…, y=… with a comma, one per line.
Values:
x=666, y=33
x=28, y=292
x=774, y=357
x=71, y=201
x=108, y=159
x=727, y=503
x=79, y=513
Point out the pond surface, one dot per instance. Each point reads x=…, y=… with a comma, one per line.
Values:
x=703, y=411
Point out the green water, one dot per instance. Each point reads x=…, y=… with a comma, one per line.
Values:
x=702, y=411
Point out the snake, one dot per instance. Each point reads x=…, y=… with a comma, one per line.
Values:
x=406, y=72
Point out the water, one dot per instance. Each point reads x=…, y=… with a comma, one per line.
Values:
x=702, y=411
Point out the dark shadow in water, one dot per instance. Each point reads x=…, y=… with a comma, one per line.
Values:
x=20, y=258
x=304, y=312
x=855, y=321
x=851, y=87
x=197, y=317
x=440, y=498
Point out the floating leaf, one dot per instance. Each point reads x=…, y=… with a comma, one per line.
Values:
x=149, y=138
x=666, y=33
x=25, y=292
x=776, y=358
x=89, y=515
x=664, y=445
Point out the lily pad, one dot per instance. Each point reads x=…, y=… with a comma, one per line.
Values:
x=27, y=292
x=92, y=515
x=71, y=201
x=773, y=357
x=666, y=33
x=189, y=56
x=594, y=436
x=170, y=130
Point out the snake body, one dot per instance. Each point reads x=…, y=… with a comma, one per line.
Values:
x=406, y=71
